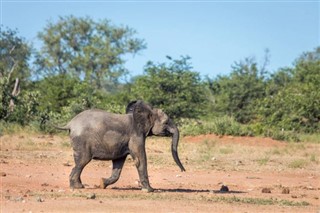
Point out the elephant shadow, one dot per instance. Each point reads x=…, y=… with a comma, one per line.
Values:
x=201, y=191
x=181, y=190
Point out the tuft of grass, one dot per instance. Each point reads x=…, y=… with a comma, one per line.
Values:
x=282, y=135
x=206, y=150
x=298, y=164
x=66, y=144
x=27, y=145
x=226, y=150
x=276, y=151
x=311, y=138
x=263, y=161
x=7, y=128
x=313, y=158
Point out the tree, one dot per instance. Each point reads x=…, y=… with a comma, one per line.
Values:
x=86, y=49
x=295, y=104
x=236, y=94
x=173, y=87
x=14, y=55
x=14, y=68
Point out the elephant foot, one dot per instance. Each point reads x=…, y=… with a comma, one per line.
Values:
x=149, y=189
x=76, y=185
x=103, y=184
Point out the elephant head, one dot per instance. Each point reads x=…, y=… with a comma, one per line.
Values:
x=151, y=121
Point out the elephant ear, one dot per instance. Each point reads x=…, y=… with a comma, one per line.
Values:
x=143, y=117
x=130, y=107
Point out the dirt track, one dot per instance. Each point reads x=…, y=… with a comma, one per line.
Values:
x=35, y=170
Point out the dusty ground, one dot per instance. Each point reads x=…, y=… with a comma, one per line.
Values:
x=35, y=169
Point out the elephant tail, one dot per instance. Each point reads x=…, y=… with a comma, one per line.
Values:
x=66, y=127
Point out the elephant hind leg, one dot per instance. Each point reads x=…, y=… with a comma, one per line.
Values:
x=116, y=171
x=81, y=160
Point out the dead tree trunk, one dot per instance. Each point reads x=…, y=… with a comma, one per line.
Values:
x=15, y=93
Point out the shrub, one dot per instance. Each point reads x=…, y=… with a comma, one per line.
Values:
x=220, y=126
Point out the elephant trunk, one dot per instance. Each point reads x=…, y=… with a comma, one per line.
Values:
x=174, y=147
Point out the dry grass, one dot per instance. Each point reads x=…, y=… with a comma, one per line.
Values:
x=206, y=154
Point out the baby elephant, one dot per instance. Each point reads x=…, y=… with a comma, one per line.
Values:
x=100, y=135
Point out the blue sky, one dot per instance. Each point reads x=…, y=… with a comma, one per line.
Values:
x=215, y=34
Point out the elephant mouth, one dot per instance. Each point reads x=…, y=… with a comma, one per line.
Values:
x=165, y=133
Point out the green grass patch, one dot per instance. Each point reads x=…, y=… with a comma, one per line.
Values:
x=66, y=144
x=276, y=151
x=159, y=196
x=258, y=201
x=298, y=164
x=219, y=126
x=226, y=150
x=310, y=138
x=205, y=151
x=263, y=161
x=177, y=197
x=313, y=158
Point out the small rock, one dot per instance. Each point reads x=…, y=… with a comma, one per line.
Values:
x=310, y=188
x=67, y=164
x=238, y=162
x=91, y=196
x=28, y=176
x=43, y=156
x=252, y=177
x=3, y=174
x=224, y=188
x=266, y=190
x=39, y=199
x=45, y=184
x=137, y=182
x=213, y=159
x=178, y=176
x=3, y=161
x=19, y=199
x=294, y=196
x=144, y=190
x=285, y=190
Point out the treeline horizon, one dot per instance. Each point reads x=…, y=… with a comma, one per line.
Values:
x=80, y=64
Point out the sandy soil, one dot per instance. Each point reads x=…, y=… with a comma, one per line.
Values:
x=261, y=174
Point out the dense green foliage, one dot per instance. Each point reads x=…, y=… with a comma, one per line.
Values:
x=236, y=93
x=293, y=102
x=80, y=65
x=83, y=48
x=173, y=87
x=14, y=56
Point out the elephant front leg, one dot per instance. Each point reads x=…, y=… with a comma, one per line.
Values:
x=116, y=171
x=141, y=164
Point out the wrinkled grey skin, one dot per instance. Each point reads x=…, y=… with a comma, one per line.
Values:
x=99, y=135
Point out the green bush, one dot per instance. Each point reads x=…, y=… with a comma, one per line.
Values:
x=219, y=126
x=26, y=108
x=282, y=135
x=173, y=87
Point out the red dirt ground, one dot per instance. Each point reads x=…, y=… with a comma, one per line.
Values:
x=35, y=179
